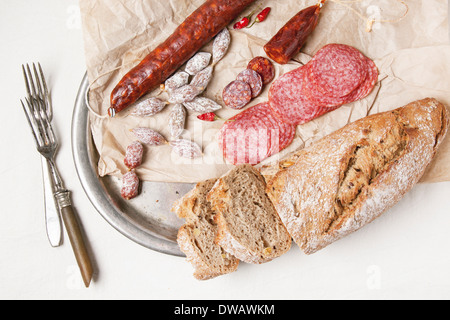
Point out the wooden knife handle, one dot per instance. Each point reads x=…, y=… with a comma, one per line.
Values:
x=75, y=236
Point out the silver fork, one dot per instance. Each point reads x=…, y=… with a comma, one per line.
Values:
x=52, y=214
x=47, y=145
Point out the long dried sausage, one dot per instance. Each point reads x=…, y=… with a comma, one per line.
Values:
x=292, y=36
x=200, y=27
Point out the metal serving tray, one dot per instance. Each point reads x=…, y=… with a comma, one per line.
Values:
x=145, y=219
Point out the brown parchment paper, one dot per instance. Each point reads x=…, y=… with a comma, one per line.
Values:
x=413, y=57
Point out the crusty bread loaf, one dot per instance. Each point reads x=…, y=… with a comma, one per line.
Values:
x=249, y=227
x=196, y=238
x=350, y=177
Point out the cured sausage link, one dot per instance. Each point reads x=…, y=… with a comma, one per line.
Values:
x=292, y=36
x=199, y=28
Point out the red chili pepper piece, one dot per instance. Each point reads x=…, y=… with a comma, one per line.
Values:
x=260, y=17
x=210, y=116
x=241, y=24
x=263, y=15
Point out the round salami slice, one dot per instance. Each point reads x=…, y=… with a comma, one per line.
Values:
x=244, y=141
x=275, y=129
x=253, y=135
x=336, y=70
x=282, y=134
x=311, y=93
x=287, y=101
x=237, y=94
x=264, y=67
x=253, y=79
x=369, y=83
x=359, y=93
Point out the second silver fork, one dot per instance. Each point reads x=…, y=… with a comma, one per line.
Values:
x=52, y=215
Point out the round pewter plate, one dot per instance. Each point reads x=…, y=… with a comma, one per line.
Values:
x=146, y=219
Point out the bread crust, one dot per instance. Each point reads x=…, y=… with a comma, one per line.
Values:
x=350, y=177
x=196, y=237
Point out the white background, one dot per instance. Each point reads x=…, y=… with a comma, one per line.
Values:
x=402, y=255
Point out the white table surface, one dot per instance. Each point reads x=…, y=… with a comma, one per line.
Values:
x=402, y=255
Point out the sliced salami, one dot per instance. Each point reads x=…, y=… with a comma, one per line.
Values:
x=253, y=79
x=244, y=139
x=336, y=70
x=287, y=101
x=298, y=96
x=311, y=93
x=359, y=93
x=253, y=135
x=264, y=67
x=369, y=83
x=237, y=94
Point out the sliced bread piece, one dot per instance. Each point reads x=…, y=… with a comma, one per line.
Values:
x=196, y=237
x=249, y=228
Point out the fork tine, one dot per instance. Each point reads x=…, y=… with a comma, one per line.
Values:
x=37, y=87
x=39, y=92
x=32, y=123
x=42, y=124
x=48, y=106
x=30, y=82
x=40, y=96
x=48, y=129
x=26, y=82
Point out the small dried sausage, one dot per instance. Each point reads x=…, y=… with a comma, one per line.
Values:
x=185, y=93
x=177, y=119
x=130, y=185
x=220, y=45
x=148, y=107
x=202, y=79
x=133, y=155
x=202, y=105
x=197, y=63
x=149, y=136
x=186, y=149
x=176, y=81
